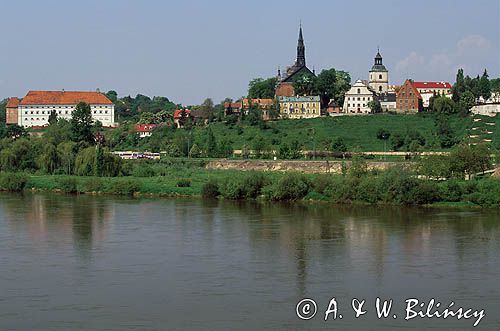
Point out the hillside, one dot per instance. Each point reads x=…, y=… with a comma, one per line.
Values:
x=358, y=132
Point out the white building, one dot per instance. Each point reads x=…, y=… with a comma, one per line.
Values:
x=379, y=76
x=428, y=89
x=35, y=108
x=357, y=99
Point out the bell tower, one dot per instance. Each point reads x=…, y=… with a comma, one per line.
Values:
x=379, y=76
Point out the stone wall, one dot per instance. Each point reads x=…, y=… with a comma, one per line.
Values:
x=334, y=167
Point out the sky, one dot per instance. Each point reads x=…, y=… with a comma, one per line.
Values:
x=190, y=50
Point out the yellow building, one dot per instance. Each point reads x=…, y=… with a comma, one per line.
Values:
x=300, y=107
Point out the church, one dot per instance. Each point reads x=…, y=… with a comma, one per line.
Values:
x=285, y=81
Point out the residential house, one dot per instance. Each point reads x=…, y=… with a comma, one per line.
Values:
x=145, y=130
x=181, y=116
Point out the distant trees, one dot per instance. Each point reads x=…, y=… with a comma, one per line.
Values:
x=329, y=84
x=466, y=89
x=375, y=106
x=260, y=88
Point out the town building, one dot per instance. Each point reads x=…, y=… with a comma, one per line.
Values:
x=35, y=108
x=429, y=89
x=357, y=99
x=490, y=107
x=265, y=105
x=379, y=76
x=145, y=130
x=181, y=117
x=299, y=106
x=387, y=102
x=11, y=111
x=299, y=68
x=333, y=108
x=408, y=98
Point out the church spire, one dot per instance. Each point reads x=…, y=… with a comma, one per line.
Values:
x=301, y=49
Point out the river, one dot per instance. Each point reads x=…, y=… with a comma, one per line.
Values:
x=108, y=263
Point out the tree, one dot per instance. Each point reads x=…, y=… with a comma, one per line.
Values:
x=305, y=84
x=211, y=146
x=66, y=151
x=49, y=160
x=332, y=84
x=112, y=95
x=81, y=124
x=467, y=101
x=484, y=86
x=260, y=88
x=444, y=105
x=375, y=106
x=338, y=145
x=53, y=117
x=383, y=134
x=98, y=161
x=444, y=132
x=459, y=86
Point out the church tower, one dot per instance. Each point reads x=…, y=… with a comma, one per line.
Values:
x=379, y=76
x=301, y=50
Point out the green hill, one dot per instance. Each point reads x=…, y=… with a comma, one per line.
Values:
x=358, y=132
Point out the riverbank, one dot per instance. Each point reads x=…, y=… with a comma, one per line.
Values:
x=395, y=186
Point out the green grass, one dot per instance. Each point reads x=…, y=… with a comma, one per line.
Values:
x=358, y=132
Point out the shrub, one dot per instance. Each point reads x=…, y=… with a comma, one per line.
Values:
x=210, y=190
x=93, y=184
x=14, y=182
x=253, y=184
x=291, y=187
x=68, y=184
x=232, y=188
x=143, y=170
x=124, y=186
x=184, y=182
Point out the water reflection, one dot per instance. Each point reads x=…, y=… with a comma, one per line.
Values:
x=139, y=257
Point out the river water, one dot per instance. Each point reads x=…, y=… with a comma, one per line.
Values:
x=106, y=263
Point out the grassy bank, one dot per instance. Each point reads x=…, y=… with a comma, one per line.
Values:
x=384, y=187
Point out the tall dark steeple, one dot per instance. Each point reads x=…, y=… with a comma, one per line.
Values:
x=301, y=50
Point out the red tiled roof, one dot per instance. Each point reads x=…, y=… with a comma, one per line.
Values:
x=64, y=98
x=145, y=127
x=12, y=103
x=232, y=105
x=424, y=85
x=177, y=113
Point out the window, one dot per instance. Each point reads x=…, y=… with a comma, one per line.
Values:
x=359, y=91
x=380, y=76
x=380, y=88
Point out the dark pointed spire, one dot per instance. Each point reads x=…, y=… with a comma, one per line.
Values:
x=378, y=57
x=301, y=49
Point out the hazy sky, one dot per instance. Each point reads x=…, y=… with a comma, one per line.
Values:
x=189, y=50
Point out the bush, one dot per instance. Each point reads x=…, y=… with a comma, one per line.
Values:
x=232, y=188
x=253, y=184
x=291, y=187
x=184, y=182
x=124, y=186
x=68, y=184
x=143, y=170
x=14, y=182
x=210, y=190
x=93, y=184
